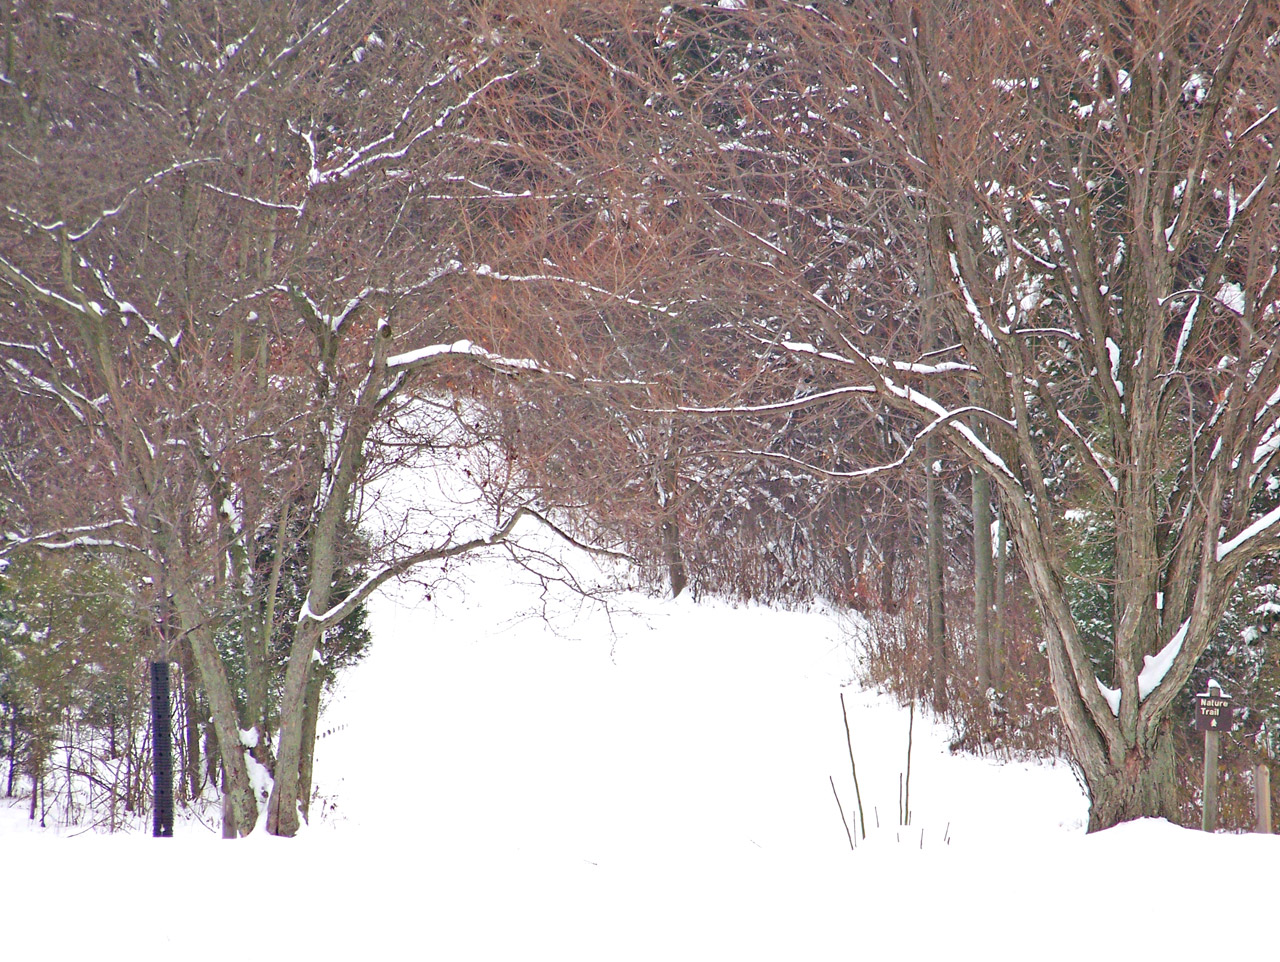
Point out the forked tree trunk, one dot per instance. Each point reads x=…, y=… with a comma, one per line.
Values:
x=1141, y=785
x=1129, y=771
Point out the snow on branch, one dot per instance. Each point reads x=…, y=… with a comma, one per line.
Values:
x=883, y=383
x=1111, y=696
x=490, y=192
x=76, y=402
x=1094, y=457
x=500, y=535
x=1156, y=666
x=319, y=28
x=903, y=367
x=423, y=356
x=979, y=322
x=859, y=473
x=952, y=420
x=362, y=159
x=778, y=407
x=44, y=293
x=1260, y=527
x=1154, y=669
x=484, y=270
x=58, y=226
x=248, y=199
x=81, y=536
x=1184, y=335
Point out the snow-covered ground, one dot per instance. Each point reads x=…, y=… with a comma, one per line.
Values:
x=651, y=783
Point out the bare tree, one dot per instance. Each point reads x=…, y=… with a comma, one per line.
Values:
x=1093, y=188
x=223, y=272
x=631, y=192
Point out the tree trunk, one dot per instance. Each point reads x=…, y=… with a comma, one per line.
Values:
x=937, y=633
x=1142, y=785
x=672, y=558
x=310, y=721
x=282, y=807
x=998, y=600
x=191, y=719
x=282, y=810
x=259, y=634
x=229, y=828
x=243, y=807
x=13, y=749
x=670, y=529
x=982, y=579
x=887, y=572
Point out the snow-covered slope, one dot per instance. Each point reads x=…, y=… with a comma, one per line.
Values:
x=648, y=782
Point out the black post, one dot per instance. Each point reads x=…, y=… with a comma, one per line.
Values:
x=161, y=752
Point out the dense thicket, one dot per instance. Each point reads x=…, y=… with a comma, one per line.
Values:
x=861, y=303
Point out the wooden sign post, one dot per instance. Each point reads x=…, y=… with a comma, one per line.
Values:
x=1262, y=781
x=1262, y=798
x=1213, y=716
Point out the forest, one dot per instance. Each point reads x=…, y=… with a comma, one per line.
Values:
x=962, y=316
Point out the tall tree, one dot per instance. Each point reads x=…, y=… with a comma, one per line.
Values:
x=1094, y=188
x=223, y=272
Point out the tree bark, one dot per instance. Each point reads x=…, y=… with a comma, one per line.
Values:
x=671, y=554
x=1141, y=785
x=13, y=749
x=242, y=805
x=934, y=581
x=982, y=580
x=191, y=719
x=998, y=601
x=887, y=572
x=310, y=722
x=282, y=810
x=670, y=529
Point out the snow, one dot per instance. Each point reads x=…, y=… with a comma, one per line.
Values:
x=1232, y=297
x=1155, y=667
x=1113, y=352
x=645, y=782
x=1196, y=87
x=975, y=313
x=464, y=347
x=1112, y=696
x=1259, y=527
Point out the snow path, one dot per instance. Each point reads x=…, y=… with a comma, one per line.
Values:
x=500, y=790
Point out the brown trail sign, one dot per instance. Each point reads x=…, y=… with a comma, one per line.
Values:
x=1213, y=716
x=1213, y=710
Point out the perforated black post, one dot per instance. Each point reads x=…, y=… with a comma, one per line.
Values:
x=162, y=752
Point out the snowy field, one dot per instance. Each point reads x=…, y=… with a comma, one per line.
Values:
x=650, y=783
